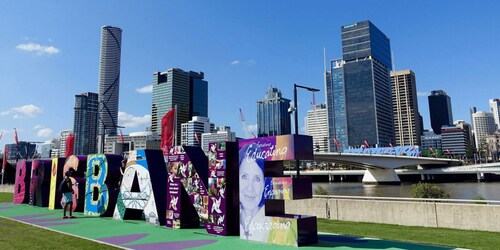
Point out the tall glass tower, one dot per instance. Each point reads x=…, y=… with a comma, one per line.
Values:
x=109, y=79
x=198, y=92
x=176, y=87
x=367, y=85
x=85, y=123
x=272, y=114
x=440, y=110
x=335, y=101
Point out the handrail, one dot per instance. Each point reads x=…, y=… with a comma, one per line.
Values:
x=407, y=199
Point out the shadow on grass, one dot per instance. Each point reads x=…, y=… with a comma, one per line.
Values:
x=332, y=240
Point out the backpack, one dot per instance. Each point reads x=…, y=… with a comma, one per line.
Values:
x=63, y=186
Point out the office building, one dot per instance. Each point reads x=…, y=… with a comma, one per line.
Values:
x=367, y=85
x=272, y=114
x=405, y=108
x=177, y=88
x=198, y=94
x=454, y=139
x=495, y=110
x=440, y=110
x=85, y=123
x=484, y=125
x=317, y=127
x=222, y=133
x=132, y=141
x=335, y=105
x=109, y=80
x=192, y=130
x=430, y=139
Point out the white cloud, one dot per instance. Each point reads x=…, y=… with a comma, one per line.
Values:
x=235, y=62
x=131, y=121
x=423, y=93
x=36, y=127
x=29, y=110
x=145, y=89
x=44, y=132
x=38, y=49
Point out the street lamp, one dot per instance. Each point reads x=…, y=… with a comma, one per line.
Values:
x=296, y=116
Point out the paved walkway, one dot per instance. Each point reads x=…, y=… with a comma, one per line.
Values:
x=135, y=234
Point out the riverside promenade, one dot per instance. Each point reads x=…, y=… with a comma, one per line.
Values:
x=134, y=234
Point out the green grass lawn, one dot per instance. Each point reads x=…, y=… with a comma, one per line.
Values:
x=423, y=235
x=13, y=234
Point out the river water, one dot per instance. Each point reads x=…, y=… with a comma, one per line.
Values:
x=462, y=190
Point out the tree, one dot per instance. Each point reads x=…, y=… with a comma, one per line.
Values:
x=427, y=190
x=470, y=151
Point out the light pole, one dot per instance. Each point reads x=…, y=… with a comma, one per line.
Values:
x=296, y=116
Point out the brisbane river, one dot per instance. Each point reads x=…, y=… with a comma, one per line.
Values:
x=461, y=190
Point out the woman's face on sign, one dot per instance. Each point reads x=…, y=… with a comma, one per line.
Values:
x=251, y=184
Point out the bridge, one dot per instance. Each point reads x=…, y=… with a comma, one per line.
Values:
x=380, y=168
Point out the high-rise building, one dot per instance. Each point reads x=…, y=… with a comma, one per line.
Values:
x=440, y=110
x=495, y=110
x=85, y=123
x=109, y=80
x=185, y=90
x=405, y=108
x=335, y=105
x=192, y=130
x=272, y=114
x=198, y=94
x=367, y=85
x=317, y=127
x=484, y=125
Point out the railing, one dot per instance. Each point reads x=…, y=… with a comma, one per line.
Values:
x=489, y=202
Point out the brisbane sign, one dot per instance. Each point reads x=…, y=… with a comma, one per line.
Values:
x=234, y=189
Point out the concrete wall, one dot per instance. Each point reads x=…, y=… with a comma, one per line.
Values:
x=426, y=214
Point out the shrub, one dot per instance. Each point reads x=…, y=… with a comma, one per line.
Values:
x=427, y=190
x=320, y=191
x=479, y=199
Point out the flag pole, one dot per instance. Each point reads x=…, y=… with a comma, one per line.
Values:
x=175, y=125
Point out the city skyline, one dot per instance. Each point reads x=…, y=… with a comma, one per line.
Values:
x=242, y=52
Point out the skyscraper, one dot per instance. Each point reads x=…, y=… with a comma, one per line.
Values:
x=85, y=123
x=316, y=126
x=335, y=104
x=198, y=92
x=367, y=86
x=405, y=108
x=495, y=110
x=109, y=79
x=272, y=114
x=176, y=87
x=484, y=125
x=440, y=110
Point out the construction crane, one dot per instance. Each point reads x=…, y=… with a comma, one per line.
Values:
x=244, y=123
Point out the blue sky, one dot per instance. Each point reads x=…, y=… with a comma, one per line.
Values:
x=49, y=52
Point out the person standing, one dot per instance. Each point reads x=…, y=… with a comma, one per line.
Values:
x=66, y=188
